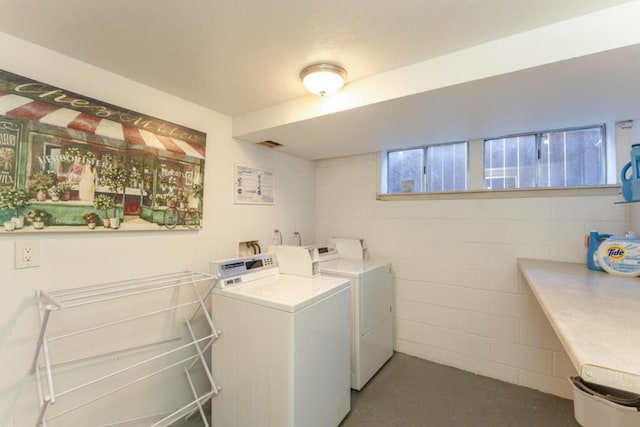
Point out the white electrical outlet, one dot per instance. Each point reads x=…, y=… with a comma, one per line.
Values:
x=27, y=254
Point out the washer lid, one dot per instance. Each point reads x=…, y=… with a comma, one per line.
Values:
x=285, y=292
x=349, y=267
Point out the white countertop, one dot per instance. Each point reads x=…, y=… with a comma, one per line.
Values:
x=596, y=316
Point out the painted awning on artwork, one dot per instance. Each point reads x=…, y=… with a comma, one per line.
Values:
x=17, y=106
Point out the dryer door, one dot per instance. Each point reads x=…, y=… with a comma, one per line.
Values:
x=375, y=298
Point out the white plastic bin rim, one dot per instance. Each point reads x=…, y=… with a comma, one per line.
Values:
x=620, y=397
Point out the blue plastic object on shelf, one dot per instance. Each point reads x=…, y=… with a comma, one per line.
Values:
x=631, y=185
x=593, y=243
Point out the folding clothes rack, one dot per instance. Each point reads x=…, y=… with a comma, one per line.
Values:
x=69, y=299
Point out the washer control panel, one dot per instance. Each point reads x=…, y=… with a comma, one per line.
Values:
x=231, y=272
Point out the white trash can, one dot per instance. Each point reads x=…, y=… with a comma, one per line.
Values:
x=600, y=406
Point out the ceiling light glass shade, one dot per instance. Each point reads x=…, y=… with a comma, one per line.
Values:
x=323, y=79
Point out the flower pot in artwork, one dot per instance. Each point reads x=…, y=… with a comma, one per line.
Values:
x=55, y=197
x=106, y=222
x=38, y=225
x=19, y=220
x=91, y=225
x=66, y=196
x=41, y=196
x=9, y=226
x=115, y=223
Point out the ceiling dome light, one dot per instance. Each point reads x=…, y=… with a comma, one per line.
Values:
x=323, y=79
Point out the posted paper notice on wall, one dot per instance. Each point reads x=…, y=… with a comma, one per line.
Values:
x=253, y=186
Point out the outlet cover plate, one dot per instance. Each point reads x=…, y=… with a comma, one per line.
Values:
x=27, y=254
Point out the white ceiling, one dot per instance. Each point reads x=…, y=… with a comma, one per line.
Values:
x=237, y=57
x=584, y=91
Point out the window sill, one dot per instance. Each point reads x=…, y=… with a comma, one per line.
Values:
x=599, y=190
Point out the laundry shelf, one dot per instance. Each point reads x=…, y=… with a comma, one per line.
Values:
x=69, y=299
x=625, y=202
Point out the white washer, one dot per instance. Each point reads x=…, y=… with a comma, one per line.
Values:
x=371, y=314
x=283, y=357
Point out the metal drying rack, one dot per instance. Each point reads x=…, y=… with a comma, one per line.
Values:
x=69, y=299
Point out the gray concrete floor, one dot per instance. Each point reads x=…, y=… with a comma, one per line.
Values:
x=411, y=392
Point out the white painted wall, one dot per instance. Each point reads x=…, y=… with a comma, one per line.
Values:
x=81, y=259
x=458, y=298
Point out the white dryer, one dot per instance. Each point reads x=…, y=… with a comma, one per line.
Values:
x=283, y=358
x=371, y=314
x=372, y=304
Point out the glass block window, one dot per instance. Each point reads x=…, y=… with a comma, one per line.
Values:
x=447, y=167
x=428, y=169
x=560, y=158
x=510, y=162
x=572, y=158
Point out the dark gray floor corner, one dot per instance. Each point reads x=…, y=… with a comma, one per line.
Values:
x=412, y=392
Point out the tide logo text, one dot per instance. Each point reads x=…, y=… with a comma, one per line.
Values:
x=616, y=252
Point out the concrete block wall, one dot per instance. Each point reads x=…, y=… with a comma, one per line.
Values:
x=459, y=299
